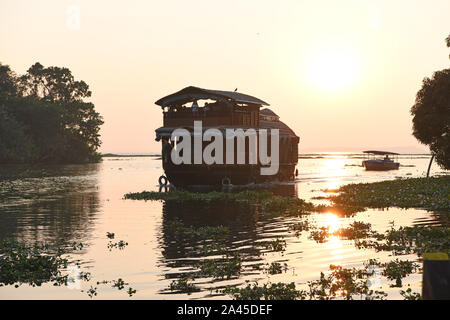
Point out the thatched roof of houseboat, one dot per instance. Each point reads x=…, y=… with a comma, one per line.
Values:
x=268, y=112
x=189, y=94
x=280, y=125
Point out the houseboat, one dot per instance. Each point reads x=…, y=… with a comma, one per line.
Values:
x=223, y=111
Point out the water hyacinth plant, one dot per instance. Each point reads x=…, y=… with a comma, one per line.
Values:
x=183, y=285
x=341, y=283
x=407, y=240
x=32, y=264
x=226, y=268
x=269, y=203
x=268, y=291
x=182, y=196
x=429, y=193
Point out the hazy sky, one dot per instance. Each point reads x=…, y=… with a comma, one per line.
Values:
x=342, y=74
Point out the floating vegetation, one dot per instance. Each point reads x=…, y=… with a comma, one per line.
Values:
x=356, y=230
x=183, y=285
x=341, y=209
x=34, y=184
x=320, y=235
x=397, y=270
x=77, y=246
x=119, y=245
x=33, y=265
x=205, y=240
x=340, y=283
x=276, y=245
x=92, y=292
x=269, y=291
x=177, y=228
x=209, y=240
x=429, y=193
x=276, y=268
x=407, y=240
x=38, y=264
x=394, y=270
x=268, y=202
x=227, y=268
x=183, y=196
x=409, y=295
x=344, y=283
x=212, y=248
x=119, y=284
x=299, y=227
x=286, y=206
x=131, y=291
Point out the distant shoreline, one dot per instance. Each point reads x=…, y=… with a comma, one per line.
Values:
x=300, y=155
x=115, y=155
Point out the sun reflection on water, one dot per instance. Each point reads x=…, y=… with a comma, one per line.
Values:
x=333, y=244
x=332, y=222
x=334, y=169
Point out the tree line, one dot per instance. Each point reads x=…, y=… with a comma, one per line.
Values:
x=44, y=117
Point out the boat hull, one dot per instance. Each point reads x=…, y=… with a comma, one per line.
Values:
x=376, y=165
x=191, y=175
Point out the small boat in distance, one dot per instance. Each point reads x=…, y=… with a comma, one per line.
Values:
x=374, y=162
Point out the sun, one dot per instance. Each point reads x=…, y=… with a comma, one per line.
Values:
x=333, y=68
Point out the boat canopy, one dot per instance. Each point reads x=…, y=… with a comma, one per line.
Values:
x=380, y=153
x=189, y=94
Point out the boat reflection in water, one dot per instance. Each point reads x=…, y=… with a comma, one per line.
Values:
x=247, y=230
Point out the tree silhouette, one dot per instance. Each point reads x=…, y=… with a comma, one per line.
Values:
x=44, y=118
x=431, y=115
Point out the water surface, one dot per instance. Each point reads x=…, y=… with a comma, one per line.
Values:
x=81, y=203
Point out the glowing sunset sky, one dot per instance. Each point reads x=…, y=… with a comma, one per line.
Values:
x=342, y=74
